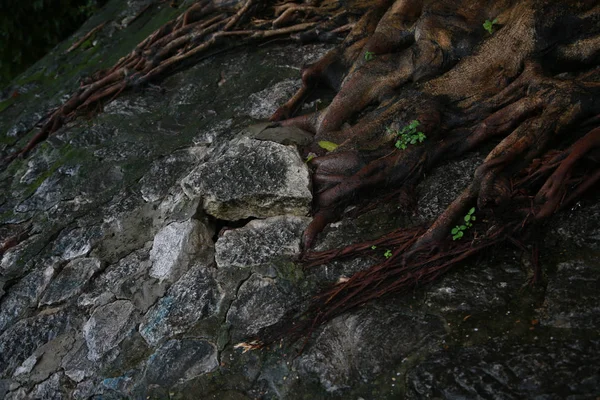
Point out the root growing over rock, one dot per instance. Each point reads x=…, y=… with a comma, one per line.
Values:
x=530, y=88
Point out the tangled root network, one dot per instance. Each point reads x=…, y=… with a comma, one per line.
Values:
x=529, y=83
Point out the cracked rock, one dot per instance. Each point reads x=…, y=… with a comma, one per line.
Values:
x=107, y=327
x=361, y=345
x=260, y=242
x=252, y=178
x=181, y=360
x=260, y=303
x=71, y=280
x=195, y=296
x=175, y=246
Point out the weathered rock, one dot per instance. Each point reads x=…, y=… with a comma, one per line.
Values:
x=263, y=104
x=25, y=293
x=50, y=389
x=180, y=360
x=71, y=280
x=164, y=172
x=126, y=279
x=260, y=302
x=107, y=327
x=260, y=242
x=21, y=340
x=45, y=360
x=477, y=288
x=77, y=242
x=358, y=346
x=572, y=297
x=176, y=246
x=252, y=178
x=286, y=135
x=195, y=296
x=557, y=370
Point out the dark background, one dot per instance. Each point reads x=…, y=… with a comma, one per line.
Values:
x=31, y=28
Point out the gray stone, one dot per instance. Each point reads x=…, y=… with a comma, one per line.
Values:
x=25, y=293
x=179, y=360
x=263, y=104
x=77, y=242
x=194, y=297
x=46, y=360
x=260, y=242
x=71, y=280
x=556, y=370
x=107, y=327
x=22, y=339
x=49, y=389
x=164, y=172
x=76, y=364
x=117, y=280
x=286, y=135
x=572, y=297
x=176, y=246
x=476, y=289
x=259, y=303
x=252, y=178
x=361, y=345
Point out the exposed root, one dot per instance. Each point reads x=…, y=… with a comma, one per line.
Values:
x=206, y=27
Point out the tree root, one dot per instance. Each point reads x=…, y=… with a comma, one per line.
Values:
x=206, y=27
x=505, y=90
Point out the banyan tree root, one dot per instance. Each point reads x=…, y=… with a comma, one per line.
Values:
x=207, y=27
x=530, y=89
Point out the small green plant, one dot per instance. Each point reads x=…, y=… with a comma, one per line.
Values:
x=373, y=247
x=387, y=254
x=408, y=135
x=489, y=25
x=369, y=55
x=459, y=230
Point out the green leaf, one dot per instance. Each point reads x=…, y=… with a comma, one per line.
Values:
x=329, y=146
x=369, y=55
x=373, y=247
x=467, y=218
x=472, y=210
x=462, y=227
x=455, y=230
x=310, y=157
x=473, y=218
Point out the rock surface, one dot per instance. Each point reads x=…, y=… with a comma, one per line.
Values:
x=252, y=178
x=165, y=230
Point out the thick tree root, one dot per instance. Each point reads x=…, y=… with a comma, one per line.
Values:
x=536, y=94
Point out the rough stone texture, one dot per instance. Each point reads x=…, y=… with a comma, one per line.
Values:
x=360, y=346
x=509, y=371
x=484, y=287
x=71, y=280
x=175, y=246
x=260, y=303
x=25, y=294
x=252, y=178
x=107, y=327
x=572, y=297
x=195, y=296
x=181, y=360
x=260, y=242
x=161, y=316
x=22, y=339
